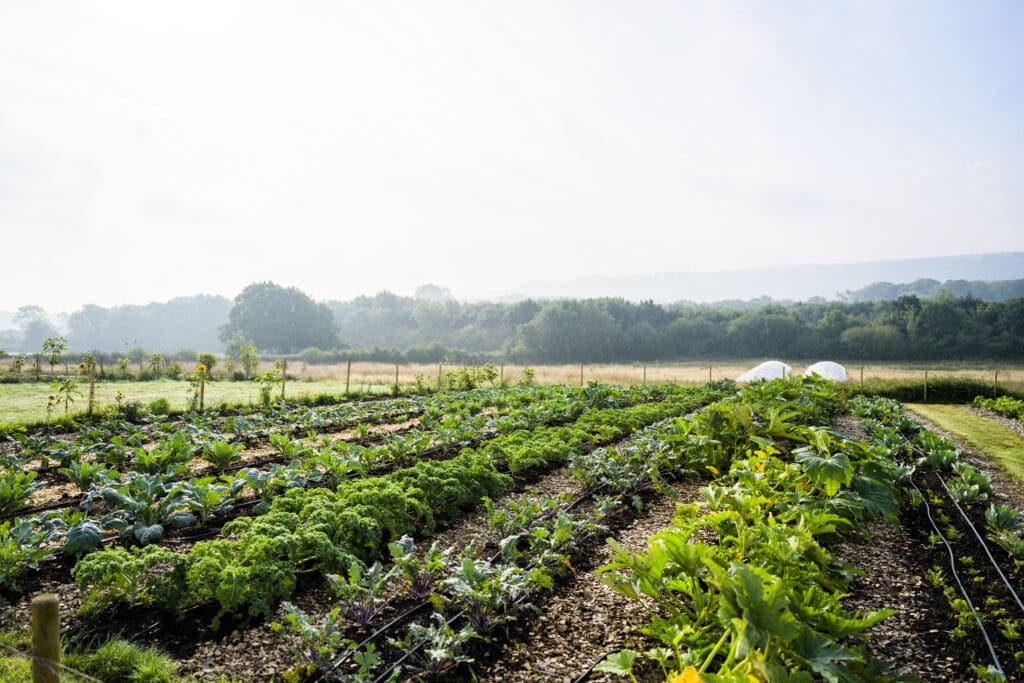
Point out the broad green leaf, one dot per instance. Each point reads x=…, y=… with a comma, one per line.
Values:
x=145, y=534
x=823, y=655
x=620, y=663
x=82, y=538
x=829, y=473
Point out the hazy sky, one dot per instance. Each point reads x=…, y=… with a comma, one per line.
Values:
x=149, y=150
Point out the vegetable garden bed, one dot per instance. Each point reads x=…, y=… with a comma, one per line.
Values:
x=463, y=538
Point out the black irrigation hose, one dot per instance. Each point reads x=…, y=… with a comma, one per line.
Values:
x=952, y=566
x=157, y=623
x=977, y=534
x=394, y=667
x=590, y=669
x=370, y=638
x=984, y=545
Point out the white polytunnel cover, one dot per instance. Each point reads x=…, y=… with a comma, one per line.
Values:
x=826, y=369
x=770, y=369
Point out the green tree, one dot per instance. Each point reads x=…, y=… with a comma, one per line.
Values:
x=280, y=319
x=53, y=349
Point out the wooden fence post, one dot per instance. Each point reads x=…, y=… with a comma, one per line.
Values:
x=501, y=374
x=45, y=638
x=862, y=378
x=709, y=373
x=645, y=375
x=284, y=375
x=995, y=385
x=92, y=386
x=581, y=374
x=396, y=377
x=439, y=364
x=925, y=386
x=348, y=375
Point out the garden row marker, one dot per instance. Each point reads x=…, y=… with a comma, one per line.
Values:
x=45, y=621
x=581, y=374
x=348, y=375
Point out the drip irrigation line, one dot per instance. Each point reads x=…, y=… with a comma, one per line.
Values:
x=956, y=576
x=977, y=534
x=984, y=545
x=153, y=626
x=590, y=669
x=370, y=638
x=398, y=662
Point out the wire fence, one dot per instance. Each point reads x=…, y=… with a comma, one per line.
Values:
x=16, y=665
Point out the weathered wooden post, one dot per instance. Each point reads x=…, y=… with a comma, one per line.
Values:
x=45, y=621
x=348, y=375
x=284, y=375
x=501, y=374
x=439, y=364
x=709, y=373
x=925, y=386
x=645, y=375
x=581, y=374
x=995, y=385
x=92, y=385
x=862, y=378
x=396, y=377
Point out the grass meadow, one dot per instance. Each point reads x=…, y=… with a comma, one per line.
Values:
x=25, y=402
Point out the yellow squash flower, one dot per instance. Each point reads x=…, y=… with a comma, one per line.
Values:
x=687, y=675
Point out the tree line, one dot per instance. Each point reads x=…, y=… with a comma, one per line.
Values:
x=428, y=328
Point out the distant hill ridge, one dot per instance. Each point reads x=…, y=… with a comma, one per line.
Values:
x=988, y=290
x=796, y=283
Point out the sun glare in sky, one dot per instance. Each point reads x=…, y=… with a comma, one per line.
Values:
x=151, y=150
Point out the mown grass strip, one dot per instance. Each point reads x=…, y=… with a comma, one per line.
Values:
x=986, y=436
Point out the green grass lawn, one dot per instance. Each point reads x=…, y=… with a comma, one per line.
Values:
x=25, y=403
x=986, y=436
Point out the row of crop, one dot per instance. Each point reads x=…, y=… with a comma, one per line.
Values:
x=450, y=422
x=142, y=504
x=325, y=531
x=996, y=612
x=762, y=601
x=108, y=439
x=113, y=441
x=1006, y=406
